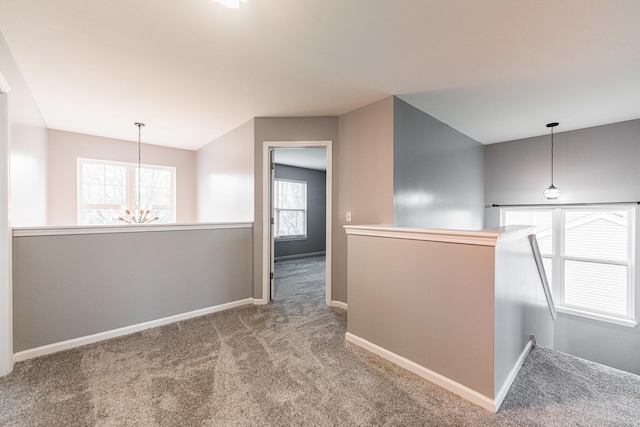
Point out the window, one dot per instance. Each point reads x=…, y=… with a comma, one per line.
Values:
x=105, y=187
x=290, y=209
x=588, y=256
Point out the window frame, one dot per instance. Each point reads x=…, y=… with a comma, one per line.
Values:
x=559, y=258
x=130, y=190
x=276, y=211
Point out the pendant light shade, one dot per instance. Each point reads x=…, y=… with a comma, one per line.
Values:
x=552, y=193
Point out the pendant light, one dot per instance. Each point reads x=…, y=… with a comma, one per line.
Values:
x=552, y=193
x=142, y=214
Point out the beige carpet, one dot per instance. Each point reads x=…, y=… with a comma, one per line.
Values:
x=288, y=364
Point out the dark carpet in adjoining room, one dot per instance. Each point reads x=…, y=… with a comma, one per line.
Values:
x=285, y=364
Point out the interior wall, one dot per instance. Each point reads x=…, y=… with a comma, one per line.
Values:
x=23, y=196
x=592, y=165
x=28, y=147
x=291, y=129
x=316, y=212
x=434, y=313
x=73, y=286
x=66, y=147
x=438, y=173
x=225, y=177
x=365, y=179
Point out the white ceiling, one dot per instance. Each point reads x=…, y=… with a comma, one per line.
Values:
x=310, y=158
x=192, y=69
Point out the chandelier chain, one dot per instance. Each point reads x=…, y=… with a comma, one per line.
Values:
x=140, y=125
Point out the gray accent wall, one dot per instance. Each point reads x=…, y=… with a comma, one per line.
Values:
x=71, y=286
x=599, y=164
x=438, y=173
x=316, y=212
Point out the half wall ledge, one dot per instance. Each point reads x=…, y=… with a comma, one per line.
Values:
x=454, y=306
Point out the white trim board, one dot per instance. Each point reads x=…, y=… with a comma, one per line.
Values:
x=486, y=237
x=339, y=304
x=502, y=393
x=266, y=178
x=121, y=228
x=440, y=380
x=296, y=256
x=127, y=330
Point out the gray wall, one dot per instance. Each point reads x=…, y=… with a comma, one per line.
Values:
x=599, y=164
x=290, y=129
x=365, y=179
x=438, y=173
x=316, y=212
x=71, y=286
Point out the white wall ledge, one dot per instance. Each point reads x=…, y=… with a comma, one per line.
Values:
x=487, y=237
x=124, y=228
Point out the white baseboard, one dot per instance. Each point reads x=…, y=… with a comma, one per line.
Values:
x=444, y=382
x=282, y=258
x=512, y=375
x=260, y=301
x=101, y=336
x=339, y=304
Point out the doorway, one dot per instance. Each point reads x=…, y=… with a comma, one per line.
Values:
x=293, y=218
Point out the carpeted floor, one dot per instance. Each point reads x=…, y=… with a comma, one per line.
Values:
x=288, y=364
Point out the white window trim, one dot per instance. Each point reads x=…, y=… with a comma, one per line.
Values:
x=558, y=257
x=292, y=237
x=131, y=186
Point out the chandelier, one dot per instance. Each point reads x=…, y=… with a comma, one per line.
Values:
x=142, y=214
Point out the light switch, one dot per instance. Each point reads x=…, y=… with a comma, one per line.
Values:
x=348, y=217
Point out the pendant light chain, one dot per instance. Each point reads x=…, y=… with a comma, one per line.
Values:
x=142, y=214
x=552, y=155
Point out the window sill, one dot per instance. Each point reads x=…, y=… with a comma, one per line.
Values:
x=601, y=317
x=292, y=238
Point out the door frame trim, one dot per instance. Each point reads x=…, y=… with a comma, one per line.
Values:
x=266, y=235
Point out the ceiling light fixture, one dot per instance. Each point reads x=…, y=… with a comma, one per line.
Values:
x=234, y=4
x=142, y=214
x=552, y=193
